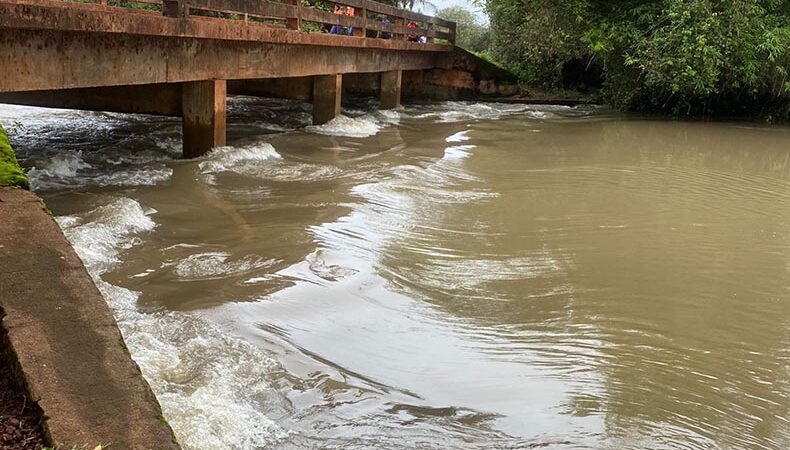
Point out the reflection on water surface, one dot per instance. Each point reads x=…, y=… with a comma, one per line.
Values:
x=451, y=275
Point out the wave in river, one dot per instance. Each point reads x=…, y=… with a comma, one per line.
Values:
x=211, y=386
x=71, y=170
x=261, y=160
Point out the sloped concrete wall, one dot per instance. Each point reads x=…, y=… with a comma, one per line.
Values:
x=63, y=339
x=459, y=75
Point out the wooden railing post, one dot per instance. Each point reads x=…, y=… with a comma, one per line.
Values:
x=295, y=23
x=175, y=8
x=431, y=31
x=401, y=22
x=364, y=10
x=451, y=30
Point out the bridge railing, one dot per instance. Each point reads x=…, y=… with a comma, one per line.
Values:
x=370, y=19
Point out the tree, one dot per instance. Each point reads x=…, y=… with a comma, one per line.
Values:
x=681, y=56
x=470, y=33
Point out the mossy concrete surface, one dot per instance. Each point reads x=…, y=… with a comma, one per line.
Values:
x=11, y=175
x=67, y=344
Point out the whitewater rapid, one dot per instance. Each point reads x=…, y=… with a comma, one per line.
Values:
x=214, y=387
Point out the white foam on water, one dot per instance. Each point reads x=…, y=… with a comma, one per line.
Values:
x=232, y=159
x=215, y=265
x=359, y=127
x=455, y=111
x=99, y=235
x=389, y=116
x=77, y=169
x=66, y=165
x=68, y=171
x=56, y=171
x=541, y=115
x=457, y=152
x=469, y=111
x=457, y=137
x=11, y=115
x=392, y=205
x=211, y=387
x=137, y=177
x=261, y=160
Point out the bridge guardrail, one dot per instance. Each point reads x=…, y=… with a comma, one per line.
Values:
x=317, y=16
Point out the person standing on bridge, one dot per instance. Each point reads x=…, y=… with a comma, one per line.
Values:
x=337, y=29
x=385, y=34
x=350, y=13
x=412, y=37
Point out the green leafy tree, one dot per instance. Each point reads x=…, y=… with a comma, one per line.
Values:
x=681, y=56
x=470, y=33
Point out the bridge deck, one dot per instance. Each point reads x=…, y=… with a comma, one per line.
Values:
x=58, y=45
x=87, y=17
x=52, y=51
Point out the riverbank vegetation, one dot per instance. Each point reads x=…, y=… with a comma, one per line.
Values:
x=10, y=172
x=678, y=56
x=471, y=34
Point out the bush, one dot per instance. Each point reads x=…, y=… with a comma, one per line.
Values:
x=470, y=33
x=681, y=56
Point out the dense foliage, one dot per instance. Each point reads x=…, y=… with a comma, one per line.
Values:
x=683, y=56
x=470, y=33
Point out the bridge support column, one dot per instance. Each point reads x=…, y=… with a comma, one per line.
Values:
x=327, y=90
x=203, y=105
x=390, y=89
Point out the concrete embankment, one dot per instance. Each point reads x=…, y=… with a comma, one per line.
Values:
x=63, y=342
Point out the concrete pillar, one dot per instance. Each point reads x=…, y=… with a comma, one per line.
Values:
x=390, y=89
x=203, y=107
x=327, y=90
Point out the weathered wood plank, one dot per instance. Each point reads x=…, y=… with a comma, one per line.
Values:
x=257, y=8
x=94, y=18
x=274, y=10
x=317, y=15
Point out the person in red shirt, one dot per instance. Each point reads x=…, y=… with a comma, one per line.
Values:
x=336, y=29
x=412, y=37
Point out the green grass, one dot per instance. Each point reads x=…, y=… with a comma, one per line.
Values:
x=486, y=56
x=11, y=175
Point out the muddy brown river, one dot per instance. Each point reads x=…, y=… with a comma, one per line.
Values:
x=444, y=276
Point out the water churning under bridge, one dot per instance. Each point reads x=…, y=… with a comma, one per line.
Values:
x=452, y=275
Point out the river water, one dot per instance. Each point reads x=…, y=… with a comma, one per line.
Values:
x=444, y=276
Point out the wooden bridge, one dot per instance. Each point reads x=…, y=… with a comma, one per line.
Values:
x=183, y=57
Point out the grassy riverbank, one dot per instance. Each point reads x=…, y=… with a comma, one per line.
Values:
x=10, y=173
